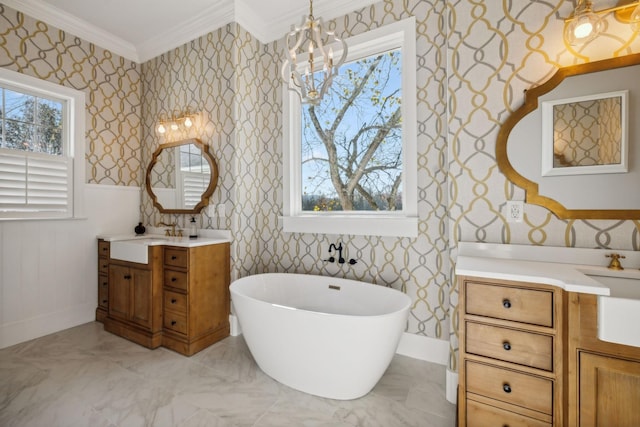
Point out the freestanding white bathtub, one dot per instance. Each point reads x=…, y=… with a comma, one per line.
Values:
x=328, y=337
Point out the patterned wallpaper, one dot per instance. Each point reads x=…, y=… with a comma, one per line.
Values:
x=587, y=133
x=111, y=85
x=475, y=59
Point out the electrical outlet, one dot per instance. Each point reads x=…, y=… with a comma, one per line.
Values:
x=515, y=210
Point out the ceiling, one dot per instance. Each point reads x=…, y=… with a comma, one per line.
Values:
x=143, y=29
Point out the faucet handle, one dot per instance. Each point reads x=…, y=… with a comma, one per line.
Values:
x=615, y=261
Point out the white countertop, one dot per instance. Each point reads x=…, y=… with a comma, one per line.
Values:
x=560, y=267
x=205, y=237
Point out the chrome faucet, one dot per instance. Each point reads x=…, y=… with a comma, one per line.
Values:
x=169, y=232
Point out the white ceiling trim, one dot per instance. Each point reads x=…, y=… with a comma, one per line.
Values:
x=267, y=32
x=217, y=15
x=73, y=25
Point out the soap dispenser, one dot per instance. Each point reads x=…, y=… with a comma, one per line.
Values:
x=193, y=230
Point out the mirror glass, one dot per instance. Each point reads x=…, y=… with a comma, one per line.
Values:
x=565, y=105
x=585, y=135
x=181, y=177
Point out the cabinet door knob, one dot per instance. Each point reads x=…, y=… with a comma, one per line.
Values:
x=506, y=345
x=506, y=388
x=127, y=276
x=173, y=300
x=506, y=303
x=173, y=322
x=104, y=301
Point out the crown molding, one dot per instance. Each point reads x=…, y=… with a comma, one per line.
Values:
x=73, y=25
x=267, y=32
x=220, y=13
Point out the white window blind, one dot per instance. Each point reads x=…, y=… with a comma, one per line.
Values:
x=193, y=185
x=42, y=136
x=34, y=183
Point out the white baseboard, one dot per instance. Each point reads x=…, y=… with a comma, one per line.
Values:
x=36, y=327
x=234, y=326
x=424, y=348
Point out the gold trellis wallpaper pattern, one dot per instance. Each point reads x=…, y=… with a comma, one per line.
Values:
x=474, y=60
x=111, y=85
x=587, y=133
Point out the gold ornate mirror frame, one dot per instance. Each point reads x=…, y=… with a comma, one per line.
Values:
x=531, y=104
x=213, y=181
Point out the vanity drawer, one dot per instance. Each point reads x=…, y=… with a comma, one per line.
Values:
x=175, y=279
x=103, y=248
x=103, y=291
x=481, y=415
x=176, y=322
x=175, y=301
x=103, y=265
x=508, y=386
x=510, y=303
x=523, y=348
x=176, y=257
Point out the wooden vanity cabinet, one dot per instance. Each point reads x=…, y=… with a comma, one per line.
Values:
x=135, y=299
x=103, y=280
x=196, y=300
x=604, y=377
x=511, y=354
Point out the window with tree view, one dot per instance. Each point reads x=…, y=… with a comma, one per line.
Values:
x=352, y=141
x=350, y=161
x=40, y=150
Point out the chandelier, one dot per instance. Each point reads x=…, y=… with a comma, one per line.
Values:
x=311, y=44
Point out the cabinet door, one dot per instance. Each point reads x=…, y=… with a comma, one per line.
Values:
x=609, y=391
x=141, y=297
x=120, y=281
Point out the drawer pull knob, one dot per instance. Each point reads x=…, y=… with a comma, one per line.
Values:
x=173, y=257
x=173, y=323
x=506, y=303
x=506, y=388
x=104, y=301
x=173, y=300
x=506, y=345
x=173, y=279
x=127, y=276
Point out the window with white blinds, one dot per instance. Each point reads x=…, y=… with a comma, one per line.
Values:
x=41, y=148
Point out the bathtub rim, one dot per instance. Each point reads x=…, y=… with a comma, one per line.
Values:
x=406, y=306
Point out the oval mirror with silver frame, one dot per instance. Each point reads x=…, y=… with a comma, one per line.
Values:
x=181, y=177
x=581, y=194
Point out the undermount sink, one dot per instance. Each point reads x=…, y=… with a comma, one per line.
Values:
x=619, y=313
x=134, y=250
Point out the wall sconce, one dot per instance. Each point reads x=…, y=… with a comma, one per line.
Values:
x=181, y=122
x=585, y=24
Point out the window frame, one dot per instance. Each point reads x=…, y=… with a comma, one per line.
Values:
x=403, y=223
x=74, y=131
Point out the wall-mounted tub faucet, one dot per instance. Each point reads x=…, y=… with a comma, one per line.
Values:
x=341, y=260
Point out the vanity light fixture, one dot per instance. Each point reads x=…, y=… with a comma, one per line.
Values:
x=312, y=84
x=184, y=121
x=585, y=23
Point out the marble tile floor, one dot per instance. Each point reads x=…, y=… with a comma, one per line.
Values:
x=86, y=377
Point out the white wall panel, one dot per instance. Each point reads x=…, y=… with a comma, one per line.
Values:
x=48, y=269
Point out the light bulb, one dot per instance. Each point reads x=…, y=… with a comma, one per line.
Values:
x=161, y=128
x=583, y=29
x=174, y=126
x=187, y=122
